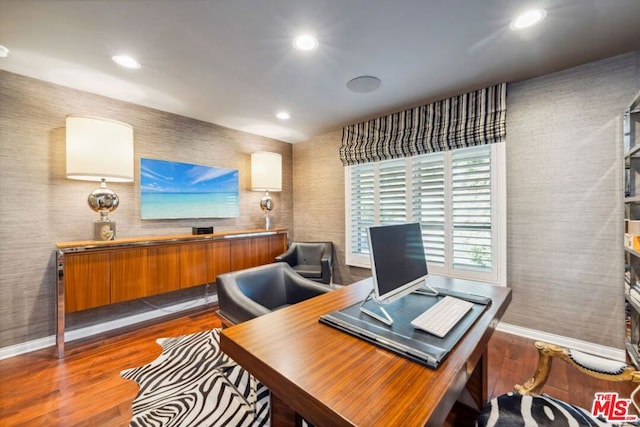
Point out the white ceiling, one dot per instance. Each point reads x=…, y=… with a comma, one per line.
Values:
x=231, y=62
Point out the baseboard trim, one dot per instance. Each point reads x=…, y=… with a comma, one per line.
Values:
x=585, y=346
x=40, y=343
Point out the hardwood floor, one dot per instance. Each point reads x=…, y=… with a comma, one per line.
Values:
x=85, y=387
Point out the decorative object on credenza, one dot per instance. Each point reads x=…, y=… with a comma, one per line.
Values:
x=201, y=230
x=174, y=190
x=100, y=150
x=266, y=175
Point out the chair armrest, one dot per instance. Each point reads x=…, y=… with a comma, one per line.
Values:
x=594, y=366
x=327, y=254
x=326, y=263
x=289, y=256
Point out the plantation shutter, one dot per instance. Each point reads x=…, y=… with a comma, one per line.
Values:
x=392, y=187
x=428, y=204
x=362, y=206
x=454, y=196
x=471, y=209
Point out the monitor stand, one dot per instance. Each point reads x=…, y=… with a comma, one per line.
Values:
x=386, y=319
x=426, y=290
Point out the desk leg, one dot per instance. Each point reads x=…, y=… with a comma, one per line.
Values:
x=472, y=397
x=282, y=415
x=478, y=386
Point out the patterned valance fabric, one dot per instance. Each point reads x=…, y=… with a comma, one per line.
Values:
x=475, y=118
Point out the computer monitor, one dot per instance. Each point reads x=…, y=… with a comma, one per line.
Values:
x=398, y=262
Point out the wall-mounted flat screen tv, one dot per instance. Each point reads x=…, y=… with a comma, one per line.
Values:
x=172, y=190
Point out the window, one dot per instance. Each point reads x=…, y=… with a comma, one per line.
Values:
x=458, y=197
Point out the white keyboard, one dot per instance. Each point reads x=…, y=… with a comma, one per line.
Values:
x=442, y=316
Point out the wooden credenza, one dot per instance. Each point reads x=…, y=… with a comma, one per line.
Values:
x=92, y=274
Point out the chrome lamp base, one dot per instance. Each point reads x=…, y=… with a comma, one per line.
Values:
x=266, y=204
x=103, y=201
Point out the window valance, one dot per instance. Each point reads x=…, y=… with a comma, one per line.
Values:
x=474, y=118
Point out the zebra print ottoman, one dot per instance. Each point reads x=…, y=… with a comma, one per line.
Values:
x=516, y=410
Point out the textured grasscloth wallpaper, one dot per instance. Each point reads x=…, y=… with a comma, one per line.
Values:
x=564, y=209
x=40, y=206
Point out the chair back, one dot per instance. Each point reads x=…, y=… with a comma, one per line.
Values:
x=265, y=285
x=313, y=260
x=310, y=253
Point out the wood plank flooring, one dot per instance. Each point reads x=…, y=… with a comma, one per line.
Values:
x=85, y=388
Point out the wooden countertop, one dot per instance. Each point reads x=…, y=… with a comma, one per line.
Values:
x=147, y=240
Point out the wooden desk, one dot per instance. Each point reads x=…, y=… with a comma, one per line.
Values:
x=334, y=379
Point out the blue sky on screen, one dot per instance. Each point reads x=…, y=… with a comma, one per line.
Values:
x=174, y=177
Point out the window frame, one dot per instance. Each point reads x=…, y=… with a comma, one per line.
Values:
x=498, y=213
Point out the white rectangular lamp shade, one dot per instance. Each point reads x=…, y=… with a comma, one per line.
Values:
x=99, y=149
x=266, y=171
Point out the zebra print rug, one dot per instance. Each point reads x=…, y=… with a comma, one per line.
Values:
x=513, y=409
x=193, y=383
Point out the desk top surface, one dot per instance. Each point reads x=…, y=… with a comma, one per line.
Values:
x=332, y=378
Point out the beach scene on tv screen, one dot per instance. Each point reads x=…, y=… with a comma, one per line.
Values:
x=172, y=190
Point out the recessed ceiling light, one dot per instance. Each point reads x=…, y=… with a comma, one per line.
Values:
x=305, y=42
x=126, y=61
x=363, y=84
x=283, y=115
x=528, y=19
x=4, y=52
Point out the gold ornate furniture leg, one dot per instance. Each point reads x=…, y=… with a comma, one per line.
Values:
x=594, y=366
x=545, y=353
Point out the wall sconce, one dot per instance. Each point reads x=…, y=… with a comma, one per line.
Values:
x=266, y=175
x=100, y=150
